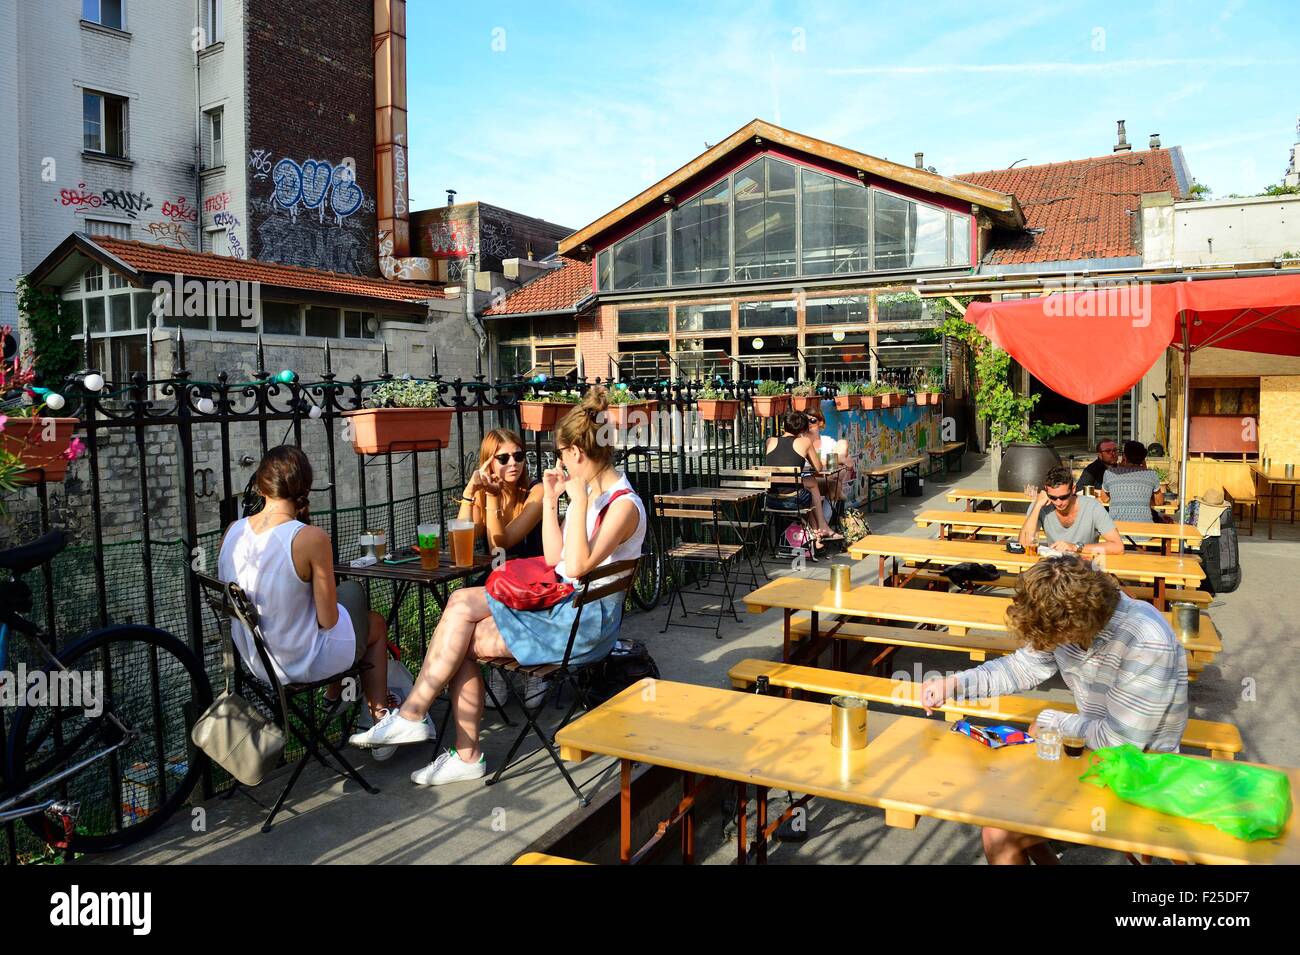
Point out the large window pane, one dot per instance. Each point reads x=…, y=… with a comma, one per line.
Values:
x=851, y=228
x=281, y=318
x=128, y=356
x=818, y=224
x=779, y=231
x=749, y=221
x=92, y=132
x=930, y=245
x=837, y=311
x=119, y=312
x=768, y=314
x=605, y=271
x=700, y=238
x=95, y=313
x=704, y=318
x=898, y=307
x=960, y=240
x=641, y=260
x=633, y=321
x=514, y=360
x=890, y=225
x=323, y=322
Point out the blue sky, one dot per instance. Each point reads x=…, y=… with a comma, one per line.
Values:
x=565, y=110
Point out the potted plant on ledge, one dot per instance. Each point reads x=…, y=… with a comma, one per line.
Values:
x=871, y=396
x=804, y=397
x=402, y=415
x=542, y=409
x=847, y=396
x=34, y=446
x=771, y=399
x=716, y=404
x=623, y=404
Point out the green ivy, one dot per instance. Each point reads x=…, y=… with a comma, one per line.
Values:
x=51, y=327
x=996, y=402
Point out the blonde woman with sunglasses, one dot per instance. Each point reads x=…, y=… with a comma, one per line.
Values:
x=502, y=498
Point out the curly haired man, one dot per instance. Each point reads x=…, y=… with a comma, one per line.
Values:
x=1118, y=656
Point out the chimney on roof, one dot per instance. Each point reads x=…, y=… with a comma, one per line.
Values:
x=451, y=197
x=1122, y=146
x=920, y=160
x=1155, y=141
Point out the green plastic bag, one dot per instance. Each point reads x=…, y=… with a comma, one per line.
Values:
x=1249, y=802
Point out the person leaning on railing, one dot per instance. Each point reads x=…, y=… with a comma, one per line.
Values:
x=477, y=626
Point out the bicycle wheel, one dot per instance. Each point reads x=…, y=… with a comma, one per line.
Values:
x=156, y=688
x=648, y=586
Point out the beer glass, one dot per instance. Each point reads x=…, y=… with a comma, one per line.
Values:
x=428, y=543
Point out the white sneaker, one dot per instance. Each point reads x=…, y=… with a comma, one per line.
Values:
x=449, y=768
x=394, y=730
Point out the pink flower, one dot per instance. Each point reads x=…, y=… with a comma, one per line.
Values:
x=76, y=448
x=3, y=419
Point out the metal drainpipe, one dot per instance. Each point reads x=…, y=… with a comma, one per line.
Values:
x=198, y=125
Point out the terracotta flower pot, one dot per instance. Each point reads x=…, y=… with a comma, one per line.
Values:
x=24, y=438
x=805, y=402
x=718, y=409
x=889, y=401
x=868, y=402
x=380, y=430
x=638, y=412
x=845, y=402
x=541, y=415
x=770, y=406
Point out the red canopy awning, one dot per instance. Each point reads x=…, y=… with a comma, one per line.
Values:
x=1092, y=346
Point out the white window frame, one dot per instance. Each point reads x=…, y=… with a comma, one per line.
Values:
x=98, y=19
x=103, y=123
x=213, y=22
x=117, y=228
x=216, y=143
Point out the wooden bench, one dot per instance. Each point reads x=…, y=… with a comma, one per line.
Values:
x=1221, y=740
x=878, y=477
x=978, y=646
x=1147, y=594
x=946, y=453
x=541, y=858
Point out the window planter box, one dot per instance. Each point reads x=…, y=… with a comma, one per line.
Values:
x=718, y=409
x=846, y=402
x=805, y=402
x=396, y=430
x=771, y=406
x=542, y=415
x=44, y=459
x=871, y=402
x=620, y=415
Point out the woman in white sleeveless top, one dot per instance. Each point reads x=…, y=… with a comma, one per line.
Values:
x=476, y=625
x=286, y=567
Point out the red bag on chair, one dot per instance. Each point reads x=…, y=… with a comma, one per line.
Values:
x=529, y=583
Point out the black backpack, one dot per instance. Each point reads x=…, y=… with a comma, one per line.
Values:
x=627, y=663
x=1219, y=554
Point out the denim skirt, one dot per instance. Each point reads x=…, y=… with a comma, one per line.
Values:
x=540, y=636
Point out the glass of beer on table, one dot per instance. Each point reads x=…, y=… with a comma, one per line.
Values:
x=428, y=539
x=462, y=542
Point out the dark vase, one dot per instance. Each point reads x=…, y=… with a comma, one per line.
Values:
x=1025, y=463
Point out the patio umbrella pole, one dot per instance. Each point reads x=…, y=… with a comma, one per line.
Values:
x=1186, y=443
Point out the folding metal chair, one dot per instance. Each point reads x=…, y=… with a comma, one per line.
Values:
x=230, y=603
x=562, y=675
x=781, y=508
x=670, y=512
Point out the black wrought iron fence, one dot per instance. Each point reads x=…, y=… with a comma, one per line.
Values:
x=167, y=463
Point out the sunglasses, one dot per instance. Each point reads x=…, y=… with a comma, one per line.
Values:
x=504, y=458
x=1060, y=497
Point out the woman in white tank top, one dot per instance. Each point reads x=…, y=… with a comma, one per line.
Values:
x=475, y=625
x=286, y=567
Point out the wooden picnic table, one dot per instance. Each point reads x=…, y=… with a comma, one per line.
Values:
x=910, y=767
x=997, y=524
x=1275, y=478
x=725, y=495
x=971, y=494
x=958, y=613
x=1156, y=569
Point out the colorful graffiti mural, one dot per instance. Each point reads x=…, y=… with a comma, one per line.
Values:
x=879, y=437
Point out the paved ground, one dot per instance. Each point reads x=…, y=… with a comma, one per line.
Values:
x=330, y=821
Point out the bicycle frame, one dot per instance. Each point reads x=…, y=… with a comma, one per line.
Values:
x=7, y=812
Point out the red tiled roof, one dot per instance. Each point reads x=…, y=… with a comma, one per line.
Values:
x=161, y=260
x=1078, y=209
x=556, y=291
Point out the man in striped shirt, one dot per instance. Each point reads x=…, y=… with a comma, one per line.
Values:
x=1118, y=656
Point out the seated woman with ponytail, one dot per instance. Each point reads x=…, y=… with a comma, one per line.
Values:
x=313, y=630
x=605, y=524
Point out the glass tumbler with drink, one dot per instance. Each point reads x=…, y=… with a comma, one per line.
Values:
x=1048, y=742
x=462, y=542
x=428, y=540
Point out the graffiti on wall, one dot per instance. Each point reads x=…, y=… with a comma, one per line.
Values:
x=174, y=232
x=230, y=223
x=399, y=176
x=130, y=204
x=179, y=211
x=309, y=215
x=880, y=436
x=407, y=268
x=216, y=203
x=496, y=238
